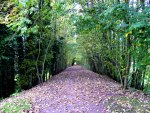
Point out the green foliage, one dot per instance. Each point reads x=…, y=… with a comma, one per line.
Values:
x=112, y=38
x=16, y=107
x=36, y=30
x=104, y=35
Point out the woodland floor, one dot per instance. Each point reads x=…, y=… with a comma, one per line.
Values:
x=77, y=90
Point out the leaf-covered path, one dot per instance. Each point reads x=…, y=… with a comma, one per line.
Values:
x=77, y=90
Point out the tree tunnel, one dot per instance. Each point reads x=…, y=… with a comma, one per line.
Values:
x=40, y=38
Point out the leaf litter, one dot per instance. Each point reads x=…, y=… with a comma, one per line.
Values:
x=78, y=90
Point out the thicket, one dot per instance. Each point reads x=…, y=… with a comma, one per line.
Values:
x=40, y=38
x=115, y=38
x=32, y=43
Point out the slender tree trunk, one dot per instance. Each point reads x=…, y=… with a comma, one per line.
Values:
x=128, y=63
x=45, y=57
x=37, y=60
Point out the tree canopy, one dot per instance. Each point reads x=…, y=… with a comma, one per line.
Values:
x=40, y=38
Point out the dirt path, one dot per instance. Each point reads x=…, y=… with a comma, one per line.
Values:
x=76, y=90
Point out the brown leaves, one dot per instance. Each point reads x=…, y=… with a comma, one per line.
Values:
x=77, y=90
